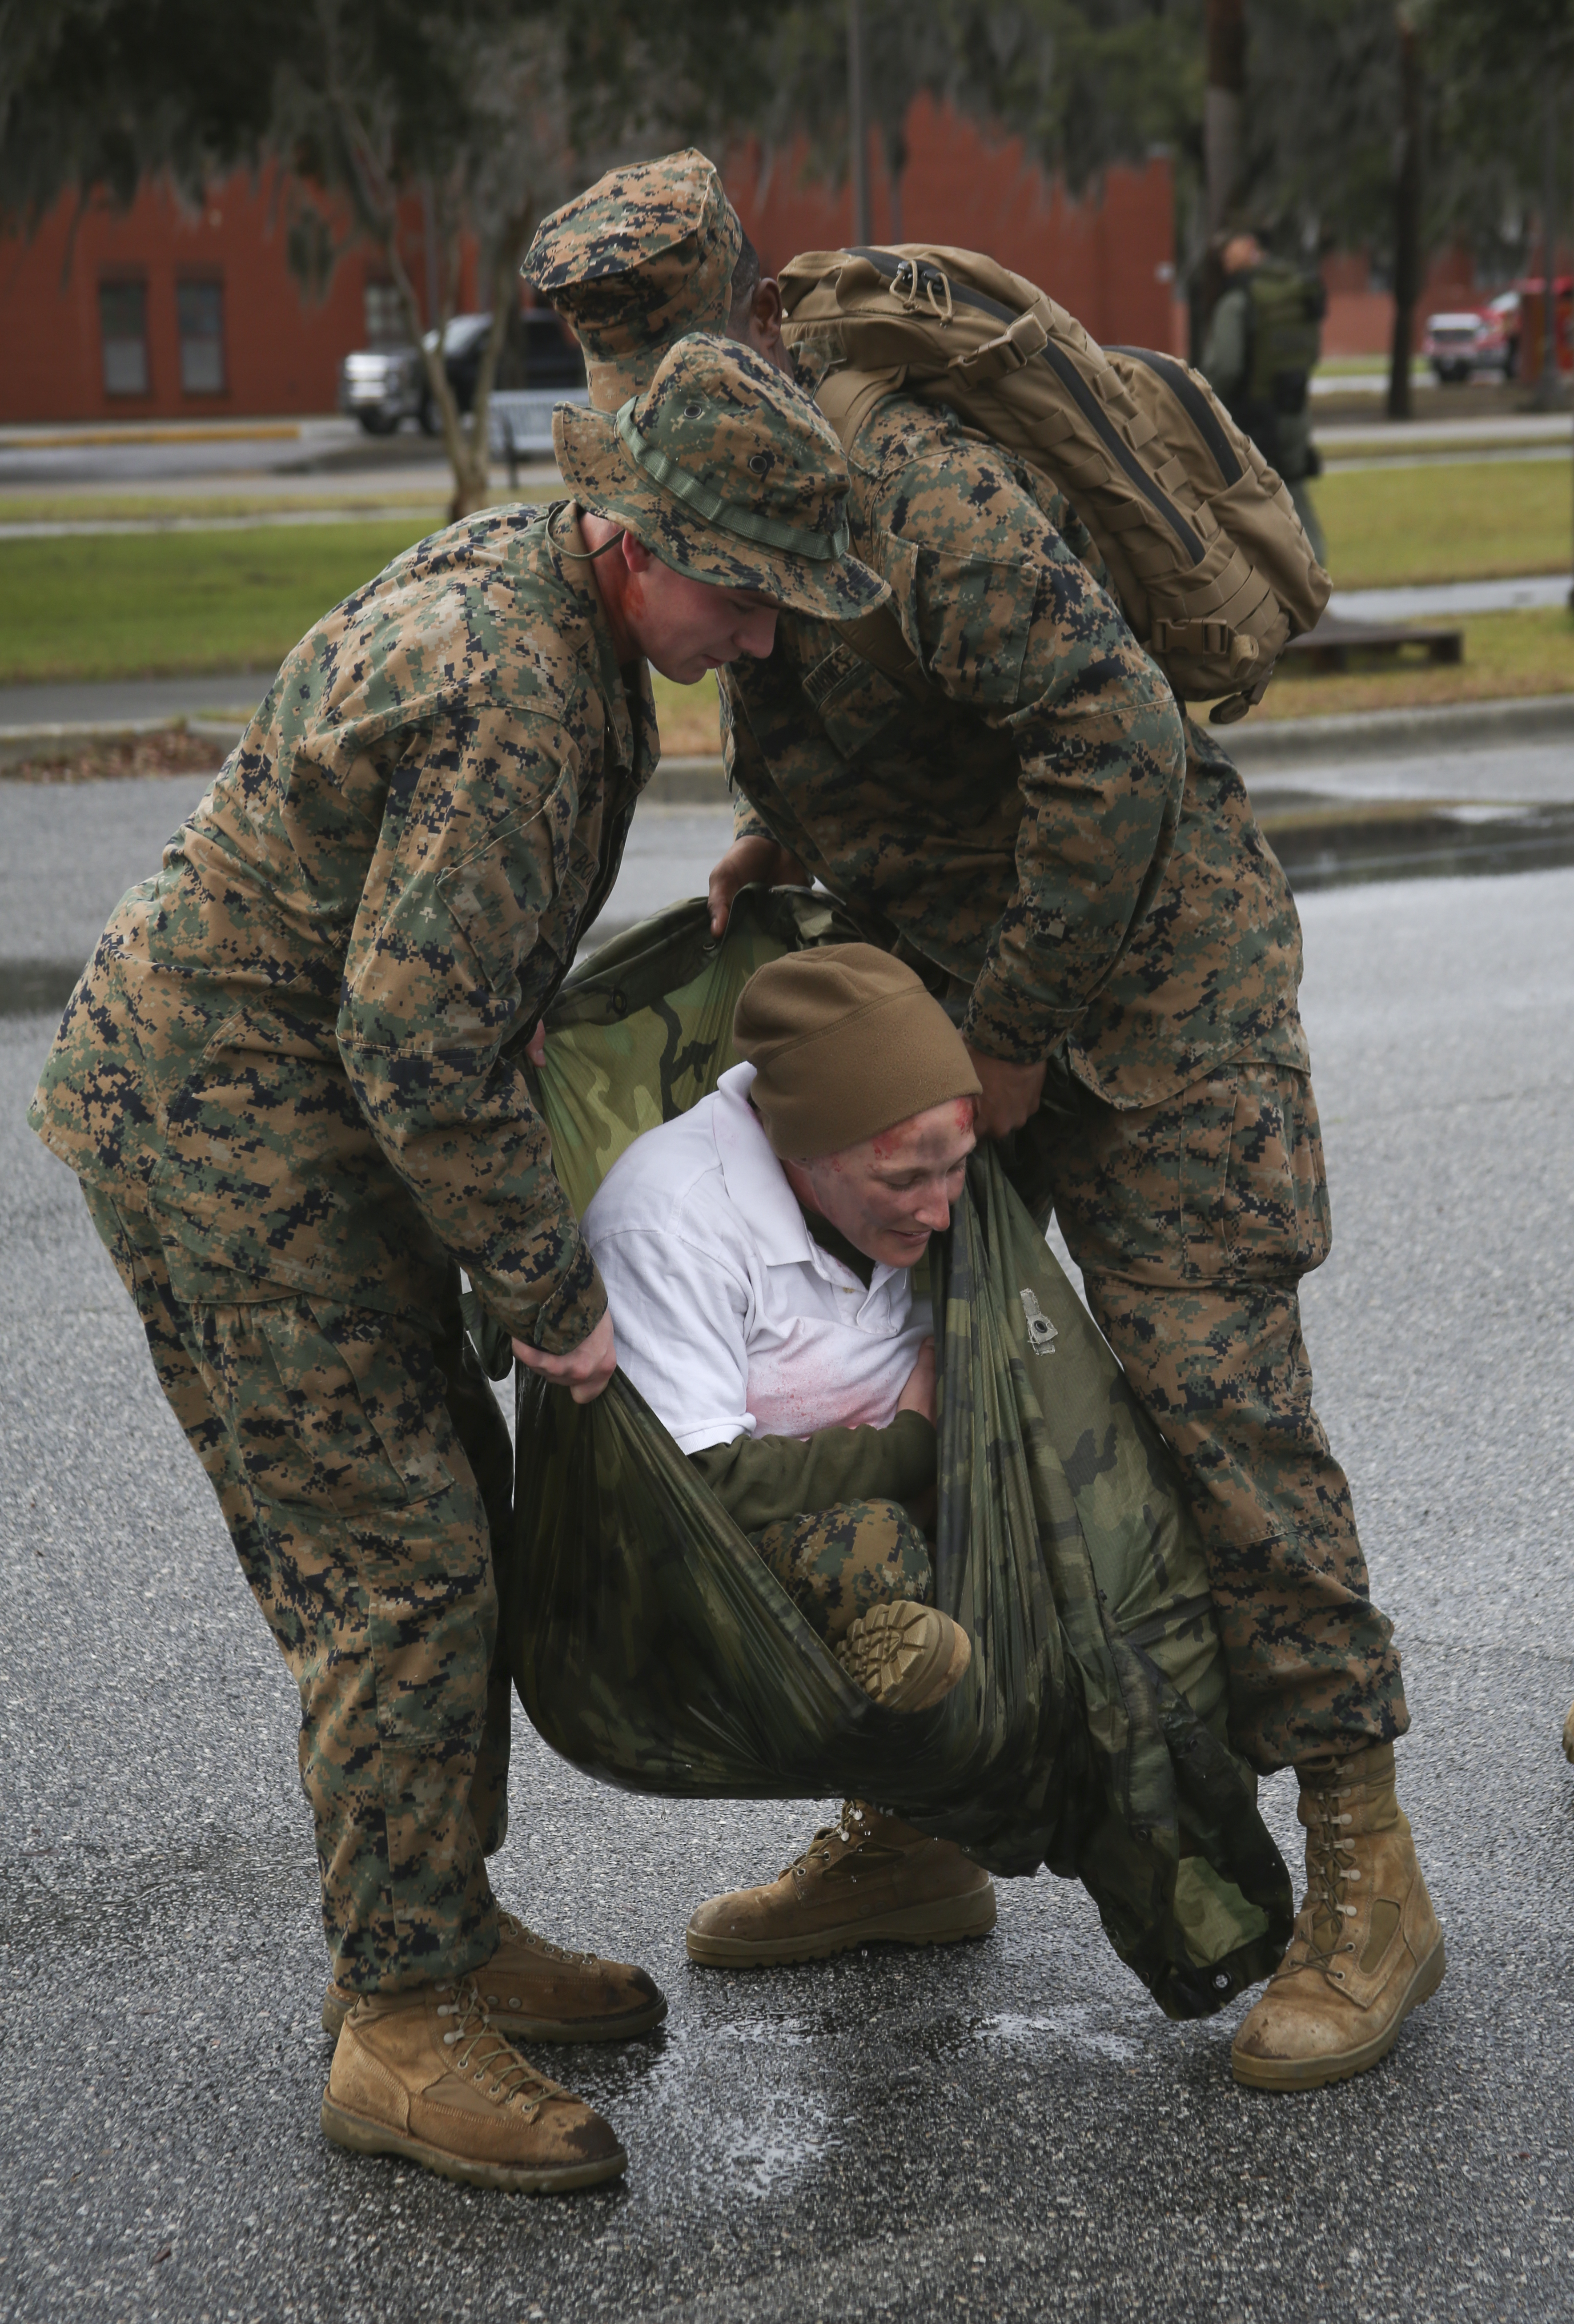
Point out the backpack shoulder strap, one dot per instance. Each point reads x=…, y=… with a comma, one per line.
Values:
x=845, y=398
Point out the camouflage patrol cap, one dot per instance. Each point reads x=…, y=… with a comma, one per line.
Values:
x=644, y=256
x=726, y=471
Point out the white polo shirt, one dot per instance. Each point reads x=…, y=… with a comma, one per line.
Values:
x=729, y=1318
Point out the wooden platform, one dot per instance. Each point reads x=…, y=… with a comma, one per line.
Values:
x=1336, y=645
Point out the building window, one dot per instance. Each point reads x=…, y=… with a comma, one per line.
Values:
x=123, y=323
x=200, y=307
x=385, y=324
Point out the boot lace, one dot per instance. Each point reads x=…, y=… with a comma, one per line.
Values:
x=1330, y=1864
x=484, y=2055
x=848, y=1829
x=512, y=1926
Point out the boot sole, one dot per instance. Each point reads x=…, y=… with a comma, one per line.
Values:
x=1316, y=2073
x=940, y=1666
x=950, y=1922
x=363, y=2136
x=624, y=2028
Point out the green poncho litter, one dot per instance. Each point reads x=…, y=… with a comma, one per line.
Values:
x=651, y=1648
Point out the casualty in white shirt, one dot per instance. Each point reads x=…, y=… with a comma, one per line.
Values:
x=730, y=1319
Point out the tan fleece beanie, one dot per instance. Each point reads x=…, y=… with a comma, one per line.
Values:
x=845, y=1043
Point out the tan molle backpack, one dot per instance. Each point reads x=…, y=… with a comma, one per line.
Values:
x=1200, y=536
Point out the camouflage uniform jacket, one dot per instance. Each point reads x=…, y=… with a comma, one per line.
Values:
x=299, y=1044
x=1043, y=826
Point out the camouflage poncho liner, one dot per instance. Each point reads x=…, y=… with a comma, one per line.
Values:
x=652, y=1647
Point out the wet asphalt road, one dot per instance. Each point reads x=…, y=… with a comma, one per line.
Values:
x=1007, y=2131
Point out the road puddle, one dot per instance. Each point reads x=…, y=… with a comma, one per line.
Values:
x=1326, y=843
x=37, y=988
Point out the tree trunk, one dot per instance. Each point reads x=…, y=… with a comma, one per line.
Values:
x=1406, y=223
x=474, y=488
x=1221, y=119
x=858, y=124
x=1221, y=153
x=438, y=386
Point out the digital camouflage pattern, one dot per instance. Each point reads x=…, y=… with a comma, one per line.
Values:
x=1193, y=1221
x=293, y=1081
x=835, y=1563
x=363, y=1470
x=652, y=1646
x=1075, y=905
x=643, y=256
x=301, y=1042
x=1041, y=824
x=721, y=435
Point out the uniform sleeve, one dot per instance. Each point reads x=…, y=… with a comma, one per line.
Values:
x=443, y=981
x=680, y=1318
x=1012, y=625
x=740, y=753
x=760, y=1479
x=1223, y=363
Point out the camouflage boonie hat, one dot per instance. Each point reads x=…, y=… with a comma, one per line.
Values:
x=642, y=257
x=726, y=472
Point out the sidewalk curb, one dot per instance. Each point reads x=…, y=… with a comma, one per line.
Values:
x=1256, y=748
x=21, y=742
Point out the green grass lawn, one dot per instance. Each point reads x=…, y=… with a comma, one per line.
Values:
x=1444, y=523
x=162, y=603
x=135, y=604
x=1506, y=655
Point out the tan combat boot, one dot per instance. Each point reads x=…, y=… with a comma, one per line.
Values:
x=1366, y=1949
x=539, y=1992
x=905, y=1654
x=864, y=1878
x=867, y=1876
x=423, y=2074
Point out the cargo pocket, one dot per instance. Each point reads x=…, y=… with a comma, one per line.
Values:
x=332, y=1407
x=497, y=897
x=1273, y=1212
x=856, y=703
x=1254, y=1195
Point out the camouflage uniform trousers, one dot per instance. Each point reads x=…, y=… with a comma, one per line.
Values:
x=837, y=1563
x=362, y=1469
x=1193, y=1221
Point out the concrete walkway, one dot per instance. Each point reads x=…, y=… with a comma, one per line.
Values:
x=1524, y=427
x=130, y=699
x=1432, y=600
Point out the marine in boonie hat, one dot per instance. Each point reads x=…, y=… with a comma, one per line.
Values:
x=644, y=255
x=727, y=472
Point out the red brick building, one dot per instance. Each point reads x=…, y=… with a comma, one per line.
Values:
x=163, y=313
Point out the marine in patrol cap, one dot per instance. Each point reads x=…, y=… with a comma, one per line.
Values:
x=645, y=255
x=726, y=471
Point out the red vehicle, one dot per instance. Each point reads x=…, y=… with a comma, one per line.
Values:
x=1503, y=337
x=1468, y=339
